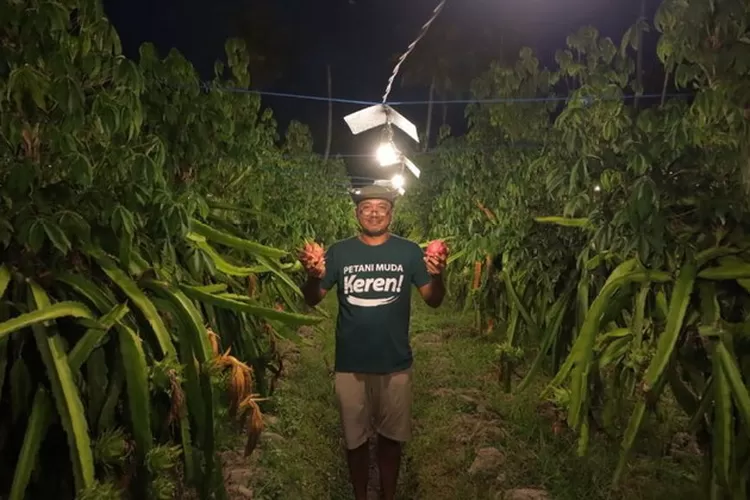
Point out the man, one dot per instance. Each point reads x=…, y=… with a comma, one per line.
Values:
x=374, y=272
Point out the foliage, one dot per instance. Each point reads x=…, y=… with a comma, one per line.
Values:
x=142, y=210
x=613, y=240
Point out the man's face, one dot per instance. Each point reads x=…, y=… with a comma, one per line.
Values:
x=374, y=216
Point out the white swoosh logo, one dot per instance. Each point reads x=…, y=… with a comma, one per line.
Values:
x=358, y=301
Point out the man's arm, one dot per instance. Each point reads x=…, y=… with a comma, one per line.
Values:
x=313, y=292
x=433, y=292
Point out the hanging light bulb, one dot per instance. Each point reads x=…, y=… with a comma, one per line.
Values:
x=398, y=181
x=387, y=154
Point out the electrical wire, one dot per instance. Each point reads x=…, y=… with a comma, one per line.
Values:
x=413, y=44
x=497, y=100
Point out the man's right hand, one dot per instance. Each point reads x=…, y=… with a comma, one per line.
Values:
x=312, y=257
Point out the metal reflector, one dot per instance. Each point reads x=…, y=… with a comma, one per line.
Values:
x=378, y=115
x=411, y=166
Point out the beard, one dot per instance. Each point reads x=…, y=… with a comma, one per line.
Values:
x=374, y=233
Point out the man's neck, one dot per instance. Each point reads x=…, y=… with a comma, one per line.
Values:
x=374, y=240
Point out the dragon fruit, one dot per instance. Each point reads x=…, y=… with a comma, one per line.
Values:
x=311, y=254
x=437, y=248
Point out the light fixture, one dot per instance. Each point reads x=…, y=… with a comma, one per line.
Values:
x=387, y=154
x=398, y=181
x=383, y=114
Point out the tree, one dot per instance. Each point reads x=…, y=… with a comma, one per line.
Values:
x=145, y=274
x=621, y=232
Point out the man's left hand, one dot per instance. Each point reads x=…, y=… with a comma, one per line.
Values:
x=435, y=264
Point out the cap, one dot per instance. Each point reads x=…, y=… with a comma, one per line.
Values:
x=374, y=192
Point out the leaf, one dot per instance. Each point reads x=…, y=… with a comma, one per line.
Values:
x=73, y=223
x=532, y=326
x=56, y=236
x=122, y=220
x=740, y=393
x=28, y=79
x=136, y=383
x=65, y=393
x=616, y=348
x=82, y=170
x=59, y=310
x=4, y=279
x=130, y=288
x=250, y=308
x=227, y=267
x=705, y=256
x=235, y=242
x=125, y=250
x=117, y=380
x=558, y=314
x=97, y=379
x=197, y=347
x=36, y=430
x=565, y=221
x=100, y=297
x=582, y=351
x=35, y=237
x=277, y=270
x=662, y=307
x=729, y=271
x=190, y=315
x=93, y=336
x=667, y=340
x=637, y=326
x=722, y=426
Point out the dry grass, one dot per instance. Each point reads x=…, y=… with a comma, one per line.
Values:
x=243, y=403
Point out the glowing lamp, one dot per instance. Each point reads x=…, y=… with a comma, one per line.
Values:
x=387, y=154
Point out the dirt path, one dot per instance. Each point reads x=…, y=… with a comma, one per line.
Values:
x=471, y=440
x=458, y=447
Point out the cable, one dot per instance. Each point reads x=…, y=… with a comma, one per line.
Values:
x=510, y=100
x=498, y=100
x=401, y=59
x=288, y=95
x=524, y=145
x=207, y=87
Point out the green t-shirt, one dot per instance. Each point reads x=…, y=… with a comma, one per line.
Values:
x=374, y=294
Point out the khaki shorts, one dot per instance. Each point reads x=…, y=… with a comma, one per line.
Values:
x=374, y=403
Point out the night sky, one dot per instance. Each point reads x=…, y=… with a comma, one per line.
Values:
x=358, y=38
